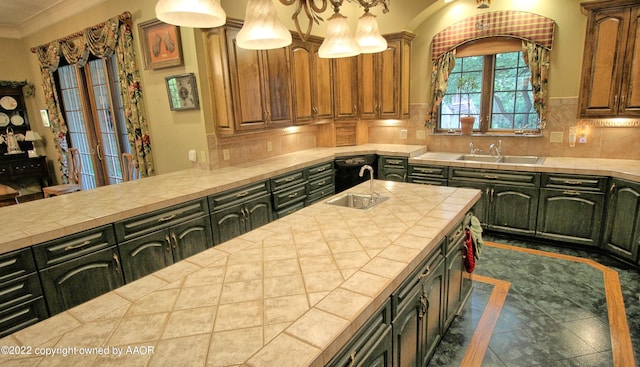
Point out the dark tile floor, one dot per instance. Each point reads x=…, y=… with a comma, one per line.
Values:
x=555, y=313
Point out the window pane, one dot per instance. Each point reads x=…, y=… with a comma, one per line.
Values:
x=462, y=102
x=513, y=97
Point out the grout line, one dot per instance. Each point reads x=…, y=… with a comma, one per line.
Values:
x=622, y=348
x=479, y=343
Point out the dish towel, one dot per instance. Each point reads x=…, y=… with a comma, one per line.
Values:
x=469, y=256
x=476, y=233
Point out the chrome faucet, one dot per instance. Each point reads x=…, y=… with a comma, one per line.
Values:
x=370, y=169
x=474, y=151
x=496, y=148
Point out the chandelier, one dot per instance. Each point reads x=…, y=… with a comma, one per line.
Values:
x=262, y=30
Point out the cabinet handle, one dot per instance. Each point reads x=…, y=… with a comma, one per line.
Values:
x=166, y=219
x=352, y=359
x=571, y=193
x=321, y=169
x=242, y=194
x=490, y=177
x=615, y=100
x=573, y=182
x=355, y=109
x=321, y=183
x=98, y=153
x=613, y=187
x=168, y=243
x=425, y=273
x=493, y=191
x=73, y=247
x=291, y=196
x=117, y=260
x=175, y=240
x=424, y=305
x=289, y=179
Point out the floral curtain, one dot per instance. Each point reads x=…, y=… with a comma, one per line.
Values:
x=442, y=67
x=537, y=59
x=102, y=41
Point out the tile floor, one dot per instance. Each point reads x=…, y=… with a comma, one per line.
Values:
x=555, y=313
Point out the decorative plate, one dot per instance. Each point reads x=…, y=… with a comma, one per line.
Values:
x=4, y=119
x=17, y=120
x=8, y=103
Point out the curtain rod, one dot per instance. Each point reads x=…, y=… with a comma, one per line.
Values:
x=124, y=17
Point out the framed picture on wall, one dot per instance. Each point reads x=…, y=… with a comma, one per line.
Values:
x=182, y=91
x=161, y=47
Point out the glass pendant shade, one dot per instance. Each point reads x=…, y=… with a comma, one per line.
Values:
x=191, y=13
x=368, y=35
x=339, y=41
x=262, y=30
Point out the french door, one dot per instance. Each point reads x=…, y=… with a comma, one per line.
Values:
x=90, y=101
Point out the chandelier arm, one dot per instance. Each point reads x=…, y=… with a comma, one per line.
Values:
x=317, y=9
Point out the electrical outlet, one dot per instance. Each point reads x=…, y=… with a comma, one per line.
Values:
x=421, y=134
x=225, y=154
x=269, y=146
x=556, y=137
x=403, y=134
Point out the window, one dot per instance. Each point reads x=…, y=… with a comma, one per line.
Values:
x=90, y=101
x=499, y=95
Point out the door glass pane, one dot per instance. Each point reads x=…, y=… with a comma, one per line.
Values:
x=76, y=123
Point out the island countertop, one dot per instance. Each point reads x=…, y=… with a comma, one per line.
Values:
x=290, y=293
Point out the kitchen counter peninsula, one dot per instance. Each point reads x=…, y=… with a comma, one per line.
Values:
x=290, y=293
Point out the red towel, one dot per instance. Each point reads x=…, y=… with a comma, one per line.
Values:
x=469, y=258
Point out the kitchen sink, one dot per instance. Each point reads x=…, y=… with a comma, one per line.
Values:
x=512, y=159
x=357, y=201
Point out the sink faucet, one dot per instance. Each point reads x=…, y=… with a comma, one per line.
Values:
x=370, y=169
x=497, y=149
x=474, y=151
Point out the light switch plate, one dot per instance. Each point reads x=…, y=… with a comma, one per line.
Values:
x=556, y=137
x=225, y=154
x=403, y=134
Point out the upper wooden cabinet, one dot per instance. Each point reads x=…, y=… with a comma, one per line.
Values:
x=383, y=80
x=611, y=64
x=312, y=82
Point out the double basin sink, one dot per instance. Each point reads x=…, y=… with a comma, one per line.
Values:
x=512, y=159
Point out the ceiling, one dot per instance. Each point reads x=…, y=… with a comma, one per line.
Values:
x=19, y=18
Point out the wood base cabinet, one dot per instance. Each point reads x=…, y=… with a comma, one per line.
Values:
x=622, y=228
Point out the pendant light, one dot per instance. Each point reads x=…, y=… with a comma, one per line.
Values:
x=339, y=41
x=262, y=30
x=191, y=13
x=368, y=34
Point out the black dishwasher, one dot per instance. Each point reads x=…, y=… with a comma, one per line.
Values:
x=348, y=169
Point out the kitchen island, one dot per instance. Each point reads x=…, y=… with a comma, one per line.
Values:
x=290, y=293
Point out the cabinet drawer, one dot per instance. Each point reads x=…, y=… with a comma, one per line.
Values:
x=21, y=316
x=423, y=172
x=72, y=246
x=235, y=196
x=320, y=169
x=324, y=192
x=5, y=170
x=320, y=183
x=575, y=182
x=28, y=167
x=289, y=209
x=294, y=194
x=454, y=237
x=393, y=162
x=20, y=290
x=288, y=180
x=16, y=264
x=492, y=176
x=147, y=223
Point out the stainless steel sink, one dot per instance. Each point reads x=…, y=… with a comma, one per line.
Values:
x=357, y=201
x=512, y=159
x=522, y=159
x=479, y=158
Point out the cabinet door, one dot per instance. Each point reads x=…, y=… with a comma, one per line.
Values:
x=94, y=274
x=457, y=282
x=259, y=212
x=277, y=86
x=249, y=97
x=603, y=62
x=322, y=84
x=622, y=233
x=302, y=81
x=381, y=354
x=146, y=254
x=630, y=92
x=388, y=85
x=570, y=216
x=367, y=86
x=406, y=330
x=191, y=237
x=228, y=223
x=432, y=322
x=345, y=92
x=513, y=209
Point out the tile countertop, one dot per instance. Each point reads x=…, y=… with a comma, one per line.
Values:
x=290, y=293
x=621, y=168
x=32, y=222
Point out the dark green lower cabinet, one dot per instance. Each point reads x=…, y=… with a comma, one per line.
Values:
x=152, y=252
x=622, y=229
x=238, y=219
x=76, y=281
x=457, y=279
x=372, y=344
x=513, y=209
x=570, y=216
